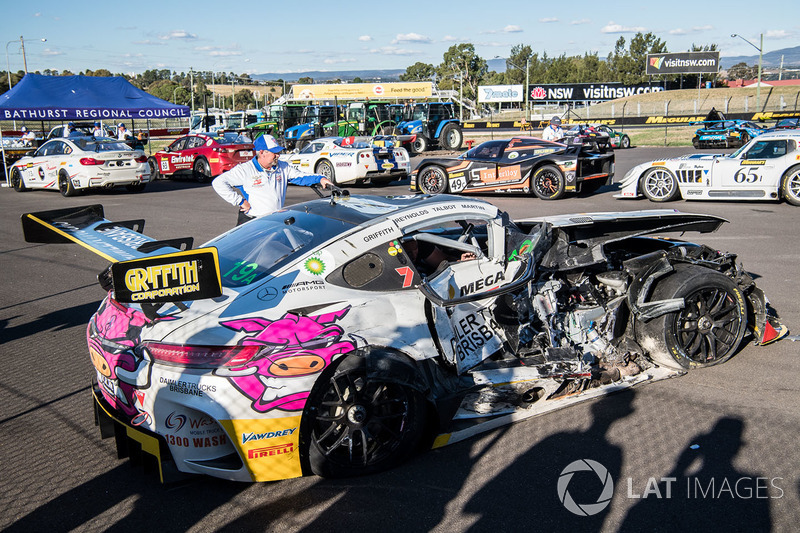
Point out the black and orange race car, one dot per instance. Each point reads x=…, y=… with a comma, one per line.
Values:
x=518, y=165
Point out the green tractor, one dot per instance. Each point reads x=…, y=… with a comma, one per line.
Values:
x=363, y=118
x=279, y=117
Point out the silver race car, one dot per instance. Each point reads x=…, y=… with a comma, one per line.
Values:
x=339, y=335
x=766, y=168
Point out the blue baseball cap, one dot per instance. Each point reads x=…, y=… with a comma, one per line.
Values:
x=268, y=143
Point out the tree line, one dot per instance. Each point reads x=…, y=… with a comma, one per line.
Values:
x=461, y=69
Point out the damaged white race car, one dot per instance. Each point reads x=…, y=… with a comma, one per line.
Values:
x=354, y=160
x=766, y=168
x=337, y=336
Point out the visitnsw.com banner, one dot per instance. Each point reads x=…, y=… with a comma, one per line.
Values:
x=683, y=63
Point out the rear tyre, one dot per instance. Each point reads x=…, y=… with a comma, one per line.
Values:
x=201, y=170
x=707, y=331
x=420, y=144
x=355, y=425
x=432, y=180
x=326, y=169
x=659, y=185
x=790, y=185
x=745, y=138
x=548, y=183
x=625, y=142
x=65, y=185
x=154, y=172
x=16, y=180
x=451, y=137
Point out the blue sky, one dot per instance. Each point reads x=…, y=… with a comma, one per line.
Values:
x=285, y=36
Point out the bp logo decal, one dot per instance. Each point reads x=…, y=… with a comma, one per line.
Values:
x=315, y=266
x=585, y=509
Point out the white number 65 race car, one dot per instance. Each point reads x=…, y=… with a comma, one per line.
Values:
x=766, y=168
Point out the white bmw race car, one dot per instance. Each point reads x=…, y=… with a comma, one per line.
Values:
x=766, y=168
x=348, y=160
x=77, y=163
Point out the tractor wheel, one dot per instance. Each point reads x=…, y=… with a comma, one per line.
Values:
x=451, y=137
x=420, y=144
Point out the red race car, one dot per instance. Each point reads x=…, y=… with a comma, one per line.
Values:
x=201, y=156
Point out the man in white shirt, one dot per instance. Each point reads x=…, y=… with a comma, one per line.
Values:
x=27, y=136
x=122, y=132
x=98, y=130
x=553, y=131
x=263, y=181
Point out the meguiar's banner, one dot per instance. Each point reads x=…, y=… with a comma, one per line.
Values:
x=361, y=91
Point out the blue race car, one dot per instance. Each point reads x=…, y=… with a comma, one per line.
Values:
x=717, y=132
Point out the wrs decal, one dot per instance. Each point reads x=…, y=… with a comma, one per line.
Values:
x=294, y=347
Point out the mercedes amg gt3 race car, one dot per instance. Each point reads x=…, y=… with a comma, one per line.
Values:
x=311, y=341
x=518, y=165
x=766, y=168
x=349, y=160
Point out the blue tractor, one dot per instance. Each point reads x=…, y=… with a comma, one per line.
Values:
x=434, y=123
x=309, y=126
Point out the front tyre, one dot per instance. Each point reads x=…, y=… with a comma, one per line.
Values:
x=659, y=185
x=432, y=180
x=451, y=137
x=65, y=185
x=201, y=170
x=548, y=183
x=326, y=169
x=17, y=181
x=420, y=144
x=790, y=185
x=709, y=328
x=355, y=425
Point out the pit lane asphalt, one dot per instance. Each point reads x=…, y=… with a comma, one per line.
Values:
x=727, y=434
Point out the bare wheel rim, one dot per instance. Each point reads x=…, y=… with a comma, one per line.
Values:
x=360, y=422
x=324, y=168
x=432, y=180
x=708, y=327
x=660, y=184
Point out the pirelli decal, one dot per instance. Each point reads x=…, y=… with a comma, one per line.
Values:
x=182, y=276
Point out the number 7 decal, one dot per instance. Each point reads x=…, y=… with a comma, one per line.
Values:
x=408, y=275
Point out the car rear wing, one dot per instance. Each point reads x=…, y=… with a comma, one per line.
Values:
x=143, y=269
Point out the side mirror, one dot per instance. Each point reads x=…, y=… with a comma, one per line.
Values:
x=167, y=149
x=30, y=153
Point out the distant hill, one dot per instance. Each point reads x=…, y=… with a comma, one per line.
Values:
x=791, y=58
x=331, y=75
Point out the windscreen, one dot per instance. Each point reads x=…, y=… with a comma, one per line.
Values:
x=252, y=251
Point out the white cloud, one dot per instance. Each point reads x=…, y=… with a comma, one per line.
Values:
x=411, y=38
x=365, y=38
x=335, y=61
x=148, y=42
x=678, y=31
x=37, y=14
x=225, y=53
x=778, y=34
x=512, y=28
x=49, y=52
x=581, y=21
x=706, y=27
x=177, y=34
x=695, y=29
x=450, y=39
x=613, y=27
x=393, y=51
x=548, y=19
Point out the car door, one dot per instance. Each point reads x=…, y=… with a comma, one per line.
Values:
x=464, y=290
x=45, y=163
x=169, y=160
x=760, y=165
x=482, y=169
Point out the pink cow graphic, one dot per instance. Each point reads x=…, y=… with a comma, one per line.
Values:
x=113, y=331
x=294, y=346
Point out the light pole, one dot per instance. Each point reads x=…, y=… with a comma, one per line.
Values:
x=527, y=83
x=760, y=56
